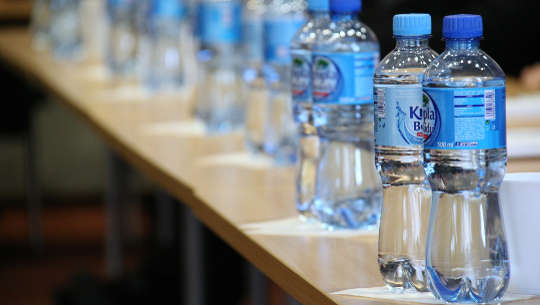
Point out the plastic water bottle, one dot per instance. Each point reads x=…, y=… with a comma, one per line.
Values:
x=40, y=23
x=308, y=141
x=121, y=54
x=465, y=161
x=348, y=189
x=65, y=29
x=218, y=102
x=283, y=18
x=165, y=70
x=141, y=13
x=253, y=91
x=399, y=149
x=189, y=44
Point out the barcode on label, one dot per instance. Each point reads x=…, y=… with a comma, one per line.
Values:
x=489, y=104
x=380, y=102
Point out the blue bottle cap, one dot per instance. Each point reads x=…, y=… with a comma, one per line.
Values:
x=345, y=6
x=412, y=24
x=462, y=26
x=317, y=5
x=167, y=8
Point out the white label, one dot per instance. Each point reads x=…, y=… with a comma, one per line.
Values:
x=380, y=102
x=489, y=102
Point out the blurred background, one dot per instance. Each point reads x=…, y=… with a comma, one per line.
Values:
x=52, y=217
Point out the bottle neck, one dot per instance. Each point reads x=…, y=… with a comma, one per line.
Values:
x=316, y=14
x=403, y=42
x=344, y=16
x=463, y=44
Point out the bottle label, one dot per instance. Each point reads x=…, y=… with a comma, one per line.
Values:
x=278, y=34
x=301, y=76
x=398, y=115
x=343, y=78
x=464, y=118
x=220, y=21
x=252, y=34
x=198, y=20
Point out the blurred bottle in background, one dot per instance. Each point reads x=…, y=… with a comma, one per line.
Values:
x=141, y=14
x=399, y=148
x=348, y=189
x=189, y=43
x=218, y=101
x=41, y=17
x=196, y=18
x=253, y=91
x=65, y=31
x=94, y=12
x=165, y=67
x=465, y=162
x=308, y=142
x=282, y=19
x=122, y=37
x=190, y=11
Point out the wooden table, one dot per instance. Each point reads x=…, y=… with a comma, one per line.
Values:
x=11, y=10
x=222, y=196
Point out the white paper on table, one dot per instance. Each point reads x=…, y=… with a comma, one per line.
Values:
x=419, y=297
x=238, y=159
x=523, y=142
x=190, y=128
x=128, y=93
x=97, y=73
x=136, y=93
x=295, y=226
x=524, y=106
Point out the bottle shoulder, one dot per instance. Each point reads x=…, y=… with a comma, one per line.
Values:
x=310, y=33
x=406, y=61
x=458, y=66
x=347, y=36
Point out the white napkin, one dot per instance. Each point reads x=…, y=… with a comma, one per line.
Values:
x=418, y=297
x=239, y=159
x=523, y=142
x=191, y=128
x=523, y=106
x=97, y=73
x=128, y=93
x=295, y=226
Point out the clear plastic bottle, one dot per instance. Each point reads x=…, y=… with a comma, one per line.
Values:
x=141, y=13
x=165, y=70
x=189, y=43
x=399, y=149
x=308, y=141
x=465, y=161
x=218, y=102
x=65, y=29
x=253, y=91
x=41, y=15
x=282, y=19
x=348, y=189
x=121, y=54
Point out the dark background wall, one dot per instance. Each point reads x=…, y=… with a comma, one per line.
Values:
x=511, y=28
